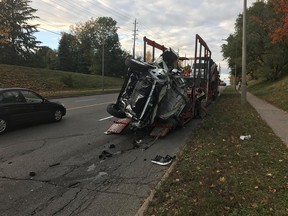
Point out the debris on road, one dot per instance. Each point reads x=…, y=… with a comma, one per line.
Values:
x=104, y=155
x=91, y=168
x=160, y=160
x=112, y=146
x=32, y=174
x=55, y=164
x=245, y=137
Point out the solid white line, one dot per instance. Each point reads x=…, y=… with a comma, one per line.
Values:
x=92, y=99
x=105, y=118
x=92, y=105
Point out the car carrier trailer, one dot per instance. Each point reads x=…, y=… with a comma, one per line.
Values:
x=204, y=74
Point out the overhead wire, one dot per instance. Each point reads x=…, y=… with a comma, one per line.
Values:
x=53, y=32
x=71, y=5
x=109, y=9
x=126, y=31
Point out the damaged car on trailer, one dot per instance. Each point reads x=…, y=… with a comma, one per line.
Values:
x=159, y=96
x=152, y=93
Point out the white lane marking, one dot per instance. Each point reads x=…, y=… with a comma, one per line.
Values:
x=92, y=99
x=92, y=105
x=103, y=119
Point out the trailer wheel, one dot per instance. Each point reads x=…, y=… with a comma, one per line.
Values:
x=113, y=109
x=137, y=65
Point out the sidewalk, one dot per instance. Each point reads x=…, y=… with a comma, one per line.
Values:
x=276, y=118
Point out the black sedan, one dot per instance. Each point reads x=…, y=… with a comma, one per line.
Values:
x=20, y=105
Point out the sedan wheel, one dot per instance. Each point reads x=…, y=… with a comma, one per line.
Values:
x=3, y=126
x=57, y=116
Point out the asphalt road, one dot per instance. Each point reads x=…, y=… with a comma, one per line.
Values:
x=57, y=168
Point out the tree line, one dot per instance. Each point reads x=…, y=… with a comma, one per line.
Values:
x=266, y=38
x=81, y=50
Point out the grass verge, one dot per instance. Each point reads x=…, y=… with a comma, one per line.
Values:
x=51, y=83
x=273, y=92
x=219, y=174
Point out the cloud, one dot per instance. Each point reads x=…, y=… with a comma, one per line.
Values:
x=168, y=22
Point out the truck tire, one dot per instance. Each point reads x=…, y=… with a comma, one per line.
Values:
x=114, y=110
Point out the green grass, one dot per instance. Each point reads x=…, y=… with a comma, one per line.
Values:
x=55, y=83
x=219, y=174
x=274, y=92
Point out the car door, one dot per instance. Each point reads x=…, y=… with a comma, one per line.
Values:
x=15, y=107
x=40, y=107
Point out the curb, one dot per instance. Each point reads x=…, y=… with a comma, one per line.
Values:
x=144, y=206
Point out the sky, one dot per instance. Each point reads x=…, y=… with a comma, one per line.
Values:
x=168, y=22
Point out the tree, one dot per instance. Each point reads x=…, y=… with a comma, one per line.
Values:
x=264, y=58
x=67, y=53
x=94, y=37
x=232, y=53
x=17, y=43
x=279, y=28
x=266, y=16
x=45, y=57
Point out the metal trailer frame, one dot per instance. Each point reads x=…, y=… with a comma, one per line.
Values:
x=205, y=72
x=201, y=62
x=154, y=45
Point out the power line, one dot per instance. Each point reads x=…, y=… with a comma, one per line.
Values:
x=49, y=31
x=70, y=7
x=64, y=4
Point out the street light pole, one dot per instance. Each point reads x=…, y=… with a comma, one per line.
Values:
x=243, y=82
x=235, y=79
x=103, y=67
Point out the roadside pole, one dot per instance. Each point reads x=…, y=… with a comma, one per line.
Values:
x=103, y=66
x=243, y=82
x=235, y=78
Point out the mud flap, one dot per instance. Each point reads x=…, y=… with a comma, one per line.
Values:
x=118, y=126
x=160, y=131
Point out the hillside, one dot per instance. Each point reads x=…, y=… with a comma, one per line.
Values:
x=51, y=82
x=275, y=93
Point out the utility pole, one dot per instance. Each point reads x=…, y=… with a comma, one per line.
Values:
x=236, y=52
x=235, y=80
x=243, y=81
x=134, y=38
x=103, y=65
